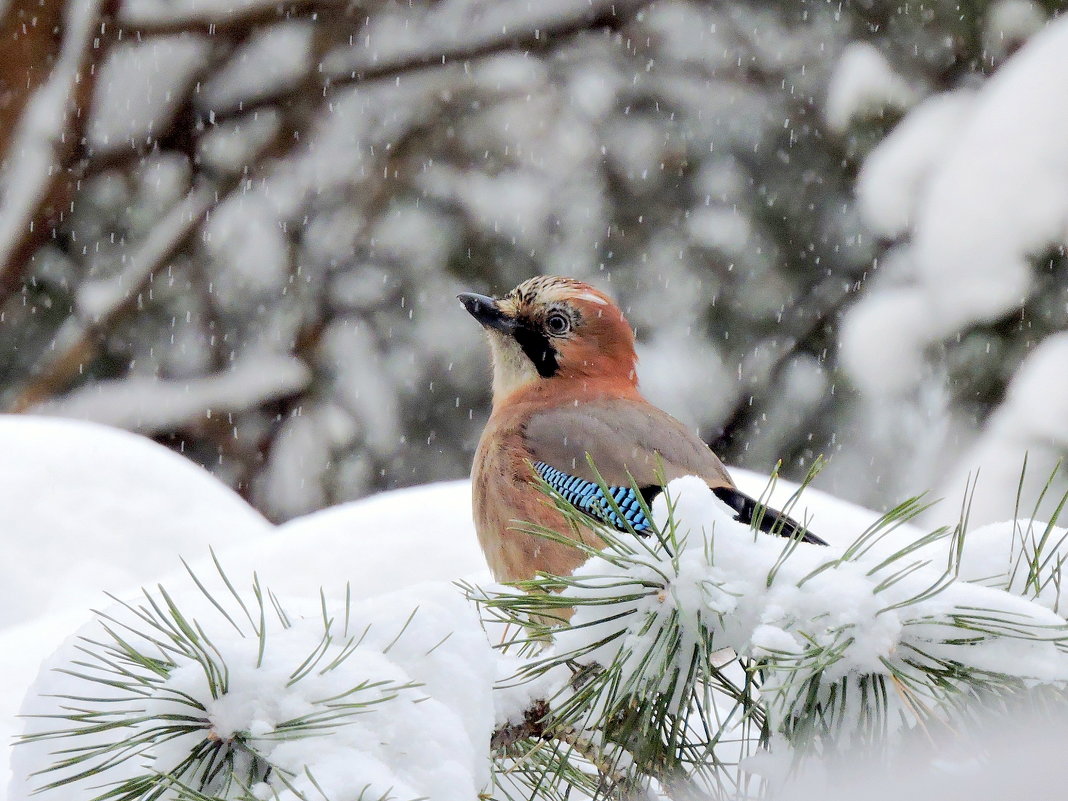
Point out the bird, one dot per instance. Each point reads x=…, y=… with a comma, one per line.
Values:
x=566, y=407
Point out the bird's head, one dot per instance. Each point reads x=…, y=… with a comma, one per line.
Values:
x=550, y=328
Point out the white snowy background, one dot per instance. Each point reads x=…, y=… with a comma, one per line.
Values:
x=236, y=228
x=91, y=509
x=139, y=508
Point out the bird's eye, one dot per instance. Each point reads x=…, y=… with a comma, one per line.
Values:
x=557, y=324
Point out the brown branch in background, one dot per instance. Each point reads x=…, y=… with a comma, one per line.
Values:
x=527, y=35
x=29, y=46
x=215, y=21
x=79, y=342
x=494, y=34
x=25, y=235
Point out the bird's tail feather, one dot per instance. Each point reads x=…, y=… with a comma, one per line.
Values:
x=769, y=520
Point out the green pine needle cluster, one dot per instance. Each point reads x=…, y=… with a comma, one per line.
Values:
x=125, y=709
x=672, y=711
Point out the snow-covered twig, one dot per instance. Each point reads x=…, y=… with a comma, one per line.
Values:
x=836, y=646
x=215, y=694
x=151, y=405
x=36, y=184
x=101, y=302
x=144, y=18
x=459, y=30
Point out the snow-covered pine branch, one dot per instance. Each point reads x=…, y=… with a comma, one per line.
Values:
x=219, y=694
x=838, y=647
x=216, y=693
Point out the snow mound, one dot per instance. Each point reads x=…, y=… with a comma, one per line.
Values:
x=86, y=508
x=387, y=541
x=352, y=700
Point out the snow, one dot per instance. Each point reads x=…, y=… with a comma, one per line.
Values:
x=513, y=204
x=272, y=60
x=882, y=341
x=1031, y=423
x=150, y=405
x=994, y=195
x=140, y=88
x=86, y=508
x=667, y=378
x=230, y=145
x=1010, y=23
x=248, y=250
x=397, y=38
x=407, y=536
x=889, y=183
x=810, y=612
x=104, y=500
x=141, y=12
x=864, y=84
x=91, y=508
x=972, y=187
x=722, y=228
x=97, y=299
x=420, y=732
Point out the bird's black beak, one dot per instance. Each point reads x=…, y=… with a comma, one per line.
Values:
x=487, y=312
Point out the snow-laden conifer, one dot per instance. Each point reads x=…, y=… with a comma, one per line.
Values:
x=215, y=694
x=693, y=649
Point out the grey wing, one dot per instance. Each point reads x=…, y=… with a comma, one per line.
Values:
x=628, y=441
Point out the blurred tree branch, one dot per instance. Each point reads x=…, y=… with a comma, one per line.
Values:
x=29, y=46
x=220, y=21
x=29, y=214
x=469, y=118
x=496, y=33
x=500, y=29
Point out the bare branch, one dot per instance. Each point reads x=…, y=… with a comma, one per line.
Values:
x=40, y=183
x=532, y=725
x=27, y=55
x=163, y=20
x=433, y=41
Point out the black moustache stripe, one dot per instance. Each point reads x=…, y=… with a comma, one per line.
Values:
x=539, y=350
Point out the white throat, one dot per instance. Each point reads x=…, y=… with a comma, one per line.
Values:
x=512, y=368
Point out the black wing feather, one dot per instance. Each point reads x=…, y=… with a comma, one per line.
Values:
x=772, y=521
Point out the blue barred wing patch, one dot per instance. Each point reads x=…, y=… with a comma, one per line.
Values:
x=590, y=498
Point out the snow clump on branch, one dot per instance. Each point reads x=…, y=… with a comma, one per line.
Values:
x=823, y=623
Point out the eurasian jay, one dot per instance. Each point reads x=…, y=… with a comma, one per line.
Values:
x=565, y=391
